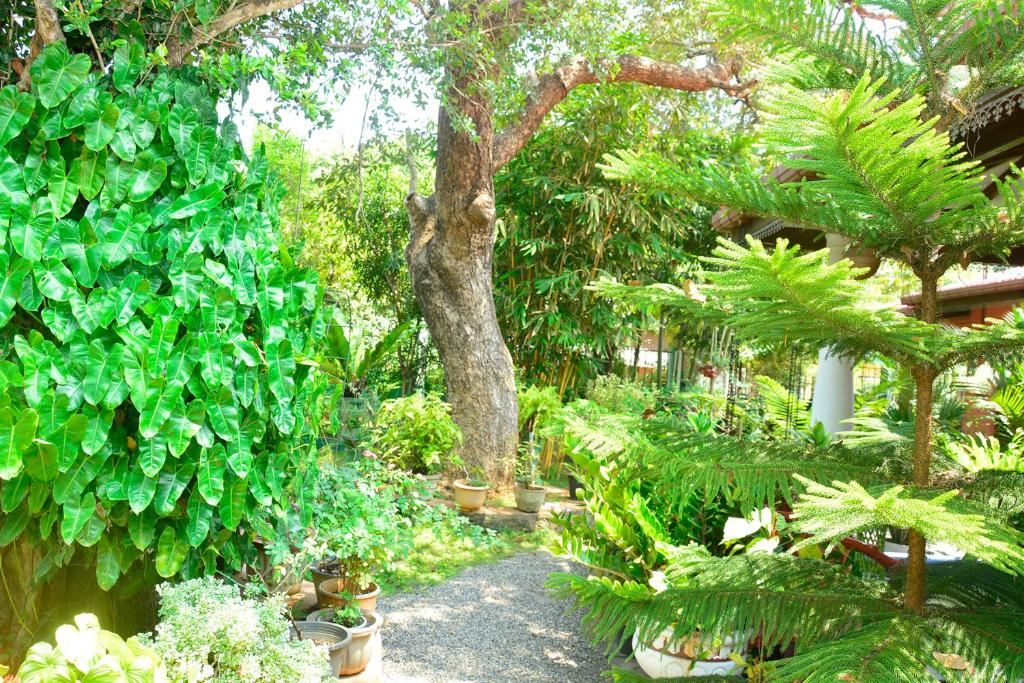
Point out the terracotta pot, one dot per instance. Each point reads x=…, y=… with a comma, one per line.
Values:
x=322, y=571
x=667, y=658
x=360, y=650
x=327, y=615
x=337, y=638
x=330, y=594
x=530, y=498
x=469, y=498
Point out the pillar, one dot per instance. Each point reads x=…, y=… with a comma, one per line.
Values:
x=832, y=403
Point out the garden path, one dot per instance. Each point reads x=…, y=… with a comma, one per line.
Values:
x=493, y=623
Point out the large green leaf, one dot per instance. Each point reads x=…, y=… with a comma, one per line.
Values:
x=28, y=237
x=161, y=341
x=141, y=489
x=98, y=428
x=170, y=553
x=202, y=144
x=101, y=124
x=232, y=504
x=54, y=280
x=131, y=293
x=186, y=276
x=15, y=109
x=152, y=454
x=199, y=514
x=120, y=236
x=160, y=402
x=84, y=261
x=281, y=368
x=202, y=198
x=171, y=485
x=211, y=473
x=148, y=175
x=129, y=61
x=180, y=123
x=108, y=564
x=13, y=526
x=56, y=73
x=142, y=529
x=16, y=435
x=12, y=275
x=63, y=191
x=182, y=426
x=66, y=438
x=76, y=514
x=87, y=171
x=42, y=462
x=104, y=364
x=223, y=412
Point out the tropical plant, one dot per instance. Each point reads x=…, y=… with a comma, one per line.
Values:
x=887, y=175
x=157, y=392
x=416, y=433
x=86, y=653
x=618, y=395
x=980, y=452
x=349, y=354
x=209, y=631
x=357, y=527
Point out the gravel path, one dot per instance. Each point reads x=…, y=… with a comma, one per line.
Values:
x=493, y=623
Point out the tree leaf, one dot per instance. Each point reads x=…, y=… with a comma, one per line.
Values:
x=15, y=109
x=171, y=485
x=142, y=529
x=66, y=437
x=129, y=61
x=141, y=489
x=232, y=504
x=14, y=524
x=186, y=277
x=180, y=123
x=183, y=425
x=120, y=237
x=202, y=144
x=281, y=364
x=152, y=454
x=54, y=280
x=161, y=400
x=41, y=461
x=12, y=275
x=100, y=125
x=97, y=429
x=56, y=73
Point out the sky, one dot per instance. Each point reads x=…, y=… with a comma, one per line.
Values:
x=343, y=133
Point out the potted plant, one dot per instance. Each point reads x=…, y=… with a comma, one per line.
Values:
x=356, y=530
x=530, y=490
x=361, y=625
x=416, y=433
x=471, y=492
x=332, y=593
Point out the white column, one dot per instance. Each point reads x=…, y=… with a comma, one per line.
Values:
x=832, y=403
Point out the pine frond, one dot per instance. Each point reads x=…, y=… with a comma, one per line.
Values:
x=996, y=341
x=883, y=159
x=782, y=409
x=988, y=40
x=830, y=513
x=990, y=639
x=1000, y=492
x=740, y=188
x=778, y=295
x=746, y=473
x=780, y=597
x=845, y=46
x=889, y=650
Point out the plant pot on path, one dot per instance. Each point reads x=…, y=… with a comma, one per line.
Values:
x=469, y=498
x=337, y=638
x=327, y=615
x=322, y=571
x=530, y=498
x=332, y=593
x=667, y=658
x=360, y=650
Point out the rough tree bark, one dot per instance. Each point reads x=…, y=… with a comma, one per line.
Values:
x=452, y=238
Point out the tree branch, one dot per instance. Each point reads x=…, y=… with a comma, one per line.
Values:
x=178, y=50
x=556, y=86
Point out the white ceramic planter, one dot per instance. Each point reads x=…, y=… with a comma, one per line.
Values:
x=665, y=658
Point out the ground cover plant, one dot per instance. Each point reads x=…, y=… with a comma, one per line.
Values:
x=885, y=173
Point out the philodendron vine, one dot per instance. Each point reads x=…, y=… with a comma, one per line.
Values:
x=155, y=393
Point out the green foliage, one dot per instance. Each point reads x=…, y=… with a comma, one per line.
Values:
x=156, y=345
x=417, y=433
x=987, y=453
x=349, y=355
x=208, y=631
x=357, y=525
x=564, y=224
x=619, y=395
x=86, y=653
x=539, y=407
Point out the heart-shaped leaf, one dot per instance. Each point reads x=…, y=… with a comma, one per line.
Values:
x=170, y=553
x=202, y=198
x=56, y=73
x=15, y=109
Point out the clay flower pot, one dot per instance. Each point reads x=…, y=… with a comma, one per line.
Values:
x=530, y=498
x=336, y=638
x=667, y=658
x=331, y=593
x=469, y=498
x=864, y=257
x=327, y=615
x=360, y=650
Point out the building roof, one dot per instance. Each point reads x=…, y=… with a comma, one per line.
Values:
x=1004, y=284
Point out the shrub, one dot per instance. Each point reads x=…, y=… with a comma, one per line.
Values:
x=209, y=632
x=153, y=335
x=417, y=433
x=621, y=395
x=86, y=653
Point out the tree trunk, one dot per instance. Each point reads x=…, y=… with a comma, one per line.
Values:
x=924, y=382
x=449, y=255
